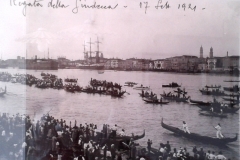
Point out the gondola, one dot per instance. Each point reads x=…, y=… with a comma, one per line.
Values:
x=71, y=80
x=213, y=92
x=172, y=85
x=141, y=88
x=155, y=101
x=198, y=137
x=100, y=137
x=231, y=100
x=175, y=98
x=145, y=95
x=233, y=95
x=129, y=85
x=231, y=81
x=133, y=83
x=200, y=102
x=115, y=94
x=214, y=87
x=212, y=114
x=232, y=89
x=217, y=109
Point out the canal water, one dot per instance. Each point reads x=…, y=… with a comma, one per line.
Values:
x=129, y=112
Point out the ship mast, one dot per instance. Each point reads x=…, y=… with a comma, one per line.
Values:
x=97, y=45
x=97, y=54
x=90, y=49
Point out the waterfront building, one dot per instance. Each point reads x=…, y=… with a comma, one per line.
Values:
x=63, y=62
x=3, y=64
x=39, y=64
x=146, y=65
x=184, y=63
x=231, y=62
x=15, y=62
x=127, y=64
x=162, y=64
x=151, y=65
x=114, y=63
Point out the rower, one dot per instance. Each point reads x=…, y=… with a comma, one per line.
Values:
x=221, y=111
x=219, y=134
x=211, y=109
x=149, y=143
x=185, y=127
x=114, y=131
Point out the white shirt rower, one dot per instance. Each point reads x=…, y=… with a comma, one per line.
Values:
x=185, y=127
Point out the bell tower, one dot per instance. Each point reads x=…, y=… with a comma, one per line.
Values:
x=201, y=52
x=211, y=53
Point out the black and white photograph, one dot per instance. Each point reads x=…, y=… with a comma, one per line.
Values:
x=119, y=79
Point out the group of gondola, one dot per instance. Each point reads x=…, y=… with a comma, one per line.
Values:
x=52, y=81
x=178, y=95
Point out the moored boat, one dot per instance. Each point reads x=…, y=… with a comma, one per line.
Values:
x=198, y=137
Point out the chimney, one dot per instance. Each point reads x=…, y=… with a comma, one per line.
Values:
x=35, y=57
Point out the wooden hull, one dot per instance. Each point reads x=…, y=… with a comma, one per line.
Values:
x=155, y=102
x=231, y=89
x=213, y=87
x=197, y=137
x=217, y=109
x=100, y=137
x=200, y=102
x=231, y=100
x=171, y=86
x=216, y=93
x=177, y=99
x=213, y=115
x=141, y=88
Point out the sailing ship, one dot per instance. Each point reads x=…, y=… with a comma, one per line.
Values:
x=91, y=62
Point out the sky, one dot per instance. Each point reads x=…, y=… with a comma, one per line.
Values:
x=124, y=32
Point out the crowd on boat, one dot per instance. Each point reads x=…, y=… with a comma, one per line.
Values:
x=52, y=81
x=50, y=138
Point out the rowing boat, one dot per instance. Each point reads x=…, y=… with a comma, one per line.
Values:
x=198, y=137
x=155, y=101
x=212, y=114
x=200, y=102
x=141, y=88
x=217, y=109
